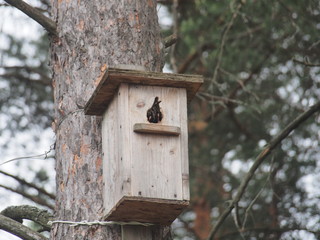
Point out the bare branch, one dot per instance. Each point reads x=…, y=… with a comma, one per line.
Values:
x=17, y=71
x=209, y=46
x=33, y=198
x=197, y=53
x=306, y=63
x=18, y=213
x=223, y=41
x=18, y=229
x=170, y=40
x=7, y=5
x=267, y=229
x=258, y=161
x=36, y=15
x=24, y=182
x=241, y=85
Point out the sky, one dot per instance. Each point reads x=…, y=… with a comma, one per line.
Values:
x=14, y=22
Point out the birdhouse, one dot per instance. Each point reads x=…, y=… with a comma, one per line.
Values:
x=144, y=143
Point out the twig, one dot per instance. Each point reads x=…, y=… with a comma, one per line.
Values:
x=36, y=15
x=225, y=100
x=258, y=161
x=193, y=56
x=17, y=72
x=244, y=82
x=267, y=229
x=33, y=198
x=250, y=206
x=223, y=42
x=306, y=63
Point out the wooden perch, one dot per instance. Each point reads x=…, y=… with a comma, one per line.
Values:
x=35, y=14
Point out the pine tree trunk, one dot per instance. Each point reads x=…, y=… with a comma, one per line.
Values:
x=93, y=35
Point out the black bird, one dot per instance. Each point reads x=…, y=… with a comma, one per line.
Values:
x=154, y=115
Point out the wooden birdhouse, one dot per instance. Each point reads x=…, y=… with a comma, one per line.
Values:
x=144, y=143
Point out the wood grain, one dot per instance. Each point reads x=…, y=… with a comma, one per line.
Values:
x=156, y=129
x=147, y=210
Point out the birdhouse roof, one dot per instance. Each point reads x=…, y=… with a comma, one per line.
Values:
x=113, y=77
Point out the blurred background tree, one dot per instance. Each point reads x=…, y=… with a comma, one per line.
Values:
x=26, y=112
x=260, y=60
x=254, y=55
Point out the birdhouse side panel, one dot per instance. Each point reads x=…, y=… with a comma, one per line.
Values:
x=110, y=155
x=184, y=148
x=124, y=131
x=115, y=141
x=157, y=159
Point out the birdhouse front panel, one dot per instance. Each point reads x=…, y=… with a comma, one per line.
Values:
x=159, y=158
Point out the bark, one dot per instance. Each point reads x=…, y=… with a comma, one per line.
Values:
x=19, y=230
x=93, y=35
x=18, y=213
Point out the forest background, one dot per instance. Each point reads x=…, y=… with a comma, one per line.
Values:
x=260, y=60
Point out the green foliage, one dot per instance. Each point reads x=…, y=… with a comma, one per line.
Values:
x=253, y=90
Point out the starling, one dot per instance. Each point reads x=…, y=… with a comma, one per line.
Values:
x=154, y=115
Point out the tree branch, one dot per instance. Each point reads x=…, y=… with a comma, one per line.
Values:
x=185, y=65
x=239, y=86
x=24, y=182
x=306, y=63
x=170, y=40
x=18, y=213
x=223, y=41
x=258, y=161
x=267, y=229
x=18, y=229
x=44, y=79
x=36, y=15
x=33, y=198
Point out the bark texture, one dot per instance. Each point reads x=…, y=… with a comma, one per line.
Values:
x=93, y=35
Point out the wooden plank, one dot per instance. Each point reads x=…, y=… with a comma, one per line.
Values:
x=184, y=148
x=156, y=129
x=147, y=210
x=110, y=155
x=113, y=77
x=124, y=127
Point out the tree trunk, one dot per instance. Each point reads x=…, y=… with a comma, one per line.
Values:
x=93, y=35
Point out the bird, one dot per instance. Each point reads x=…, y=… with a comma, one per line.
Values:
x=154, y=114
